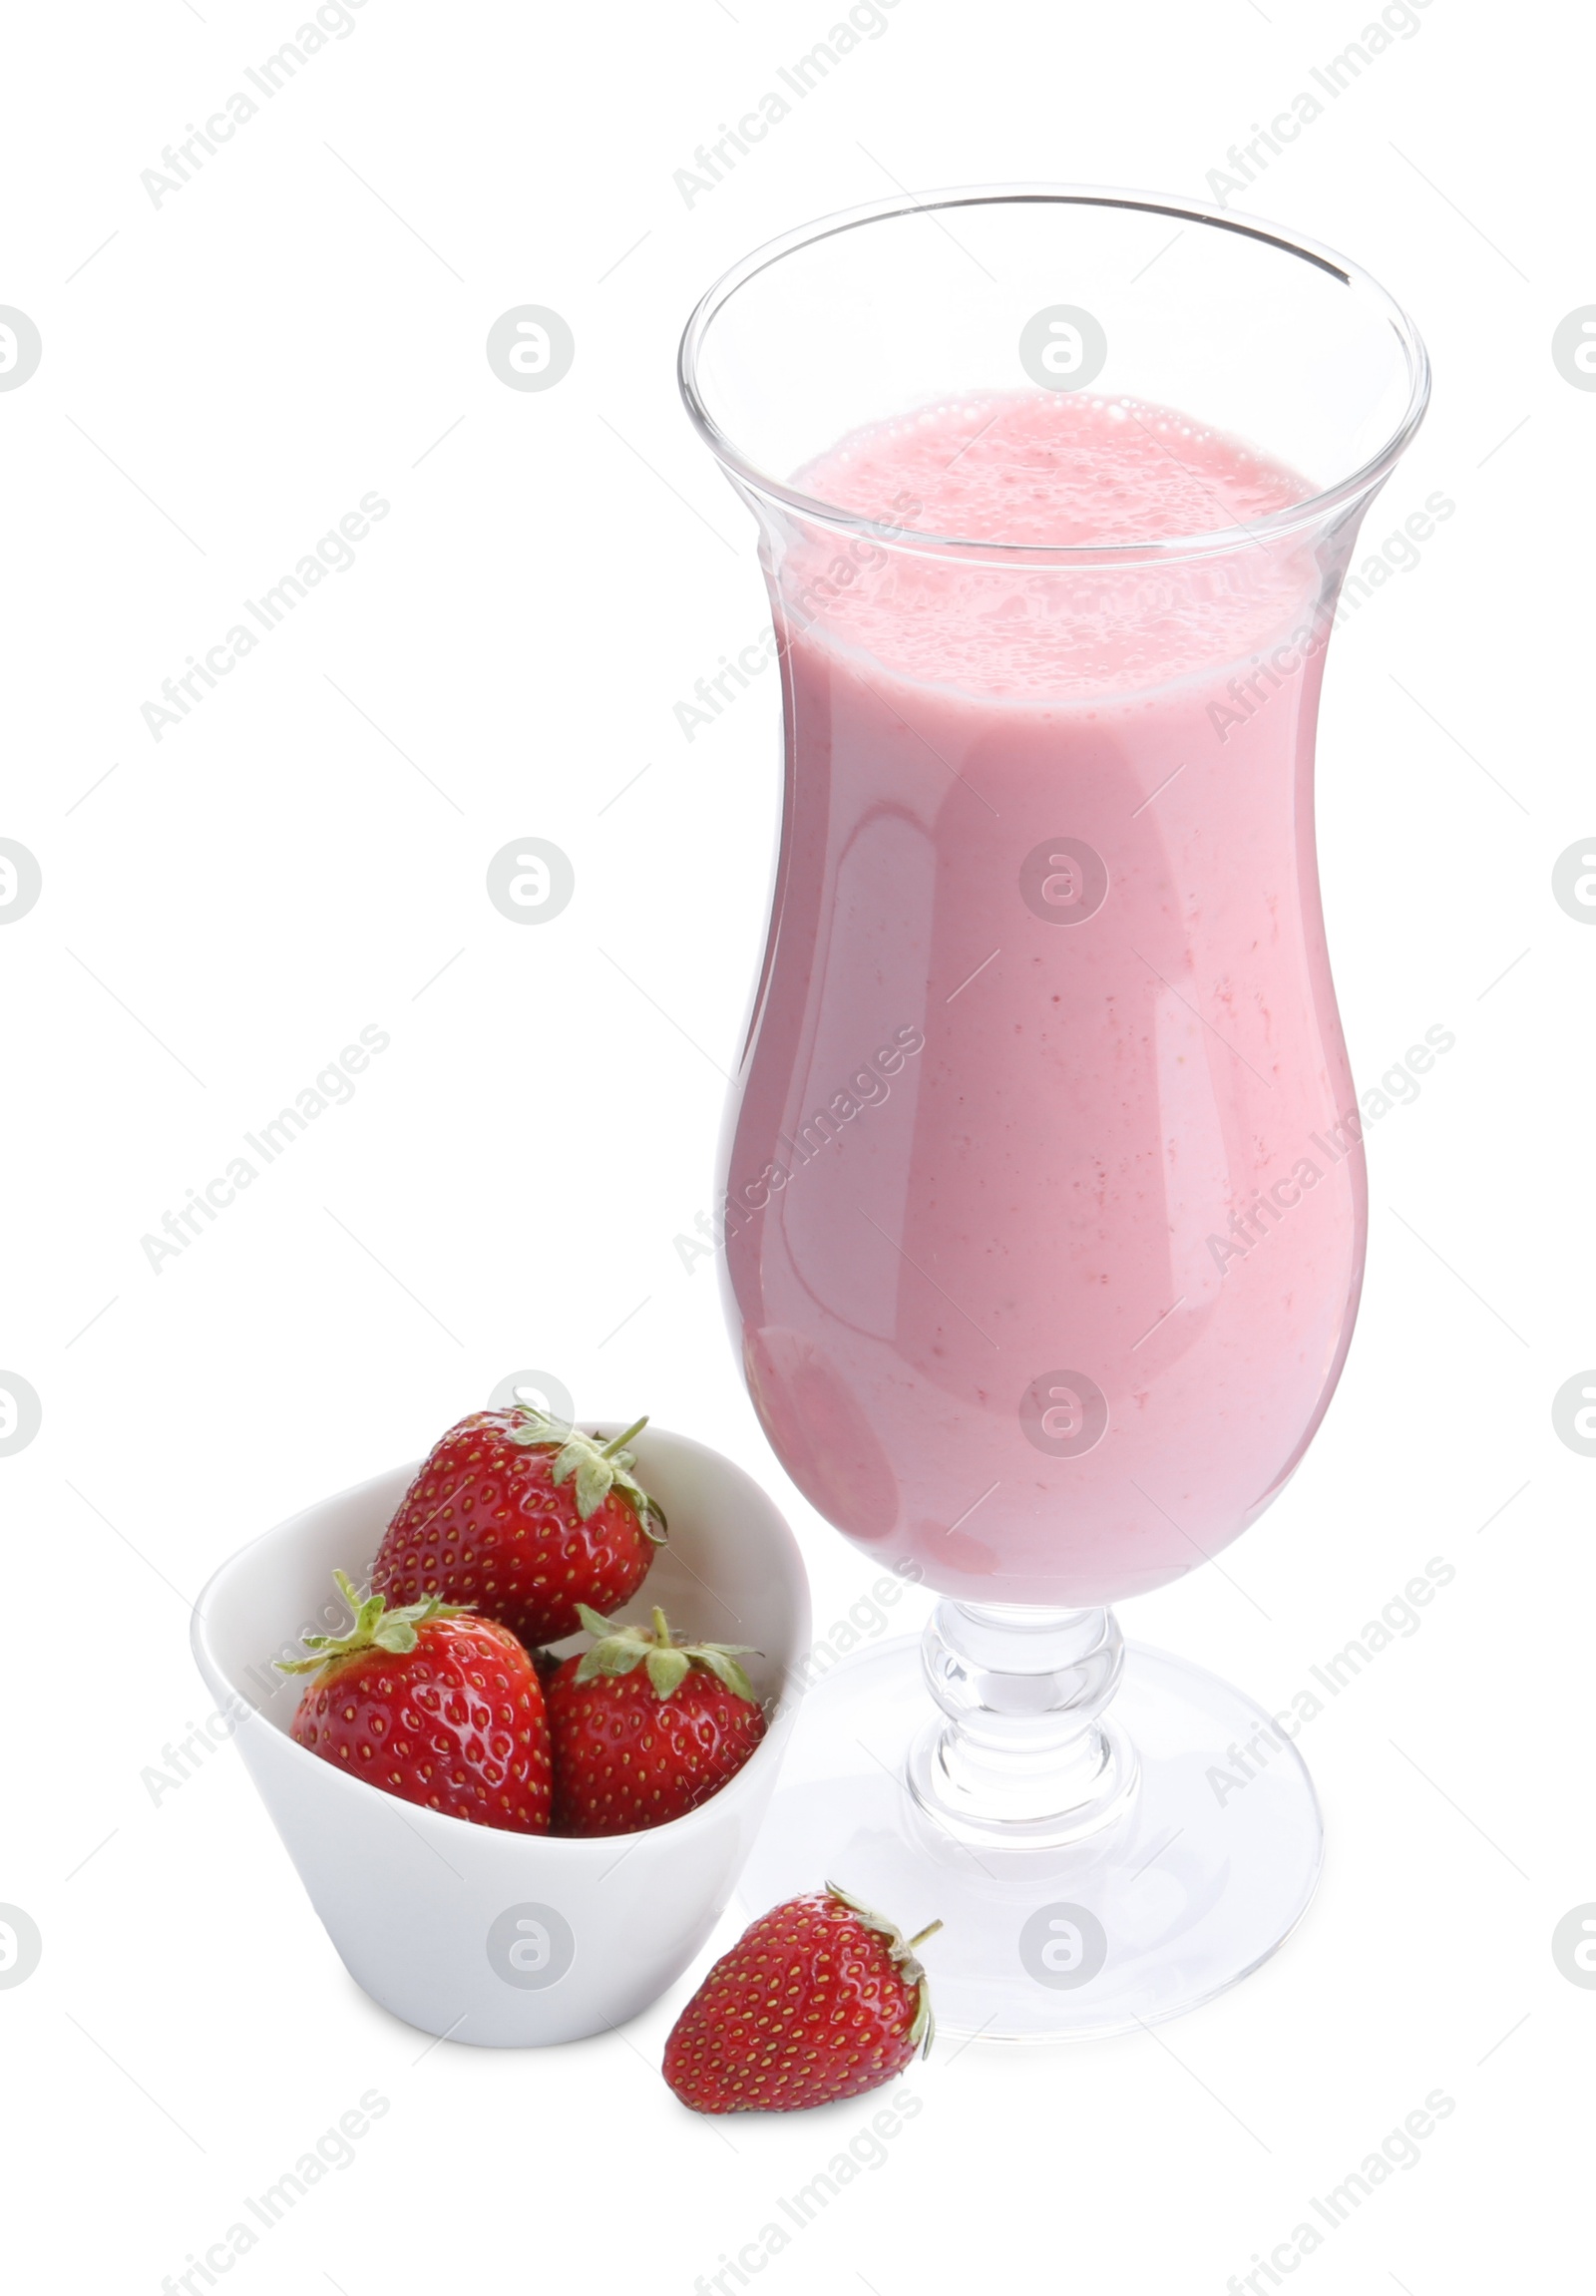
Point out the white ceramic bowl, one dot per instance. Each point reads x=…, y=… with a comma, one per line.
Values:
x=510, y=1940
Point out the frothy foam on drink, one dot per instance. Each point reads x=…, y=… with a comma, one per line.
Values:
x=1051, y=469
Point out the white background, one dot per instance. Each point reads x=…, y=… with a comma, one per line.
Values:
x=223, y=378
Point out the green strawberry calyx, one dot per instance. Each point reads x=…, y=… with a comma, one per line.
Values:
x=900, y=1950
x=376, y=1627
x=617, y=1648
x=599, y=1468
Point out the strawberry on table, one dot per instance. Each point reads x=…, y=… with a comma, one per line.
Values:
x=645, y=1728
x=433, y=1704
x=524, y=1519
x=820, y=1999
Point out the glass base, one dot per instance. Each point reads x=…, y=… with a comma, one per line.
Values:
x=1205, y=1871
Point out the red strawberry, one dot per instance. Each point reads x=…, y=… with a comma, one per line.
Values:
x=644, y=1728
x=522, y=1518
x=432, y=1705
x=820, y=1999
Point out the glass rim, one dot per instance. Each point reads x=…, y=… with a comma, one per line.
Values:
x=1312, y=509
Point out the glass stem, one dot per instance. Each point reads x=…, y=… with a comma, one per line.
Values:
x=1022, y=1751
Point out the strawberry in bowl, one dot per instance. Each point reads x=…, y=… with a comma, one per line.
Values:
x=430, y=1914
x=432, y=1704
x=644, y=1728
x=524, y=1519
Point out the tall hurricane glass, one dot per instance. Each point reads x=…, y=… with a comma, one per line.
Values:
x=1044, y=1188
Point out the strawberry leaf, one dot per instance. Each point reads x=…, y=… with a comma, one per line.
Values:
x=535, y=1427
x=724, y=1667
x=595, y=1479
x=599, y=1468
x=375, y=1626
x=617, y=1656
x=394, y=1634
x=901, y=1949
x=667, y=1671
x=619, y=1647
x=923, y=2032
x=568, y=1458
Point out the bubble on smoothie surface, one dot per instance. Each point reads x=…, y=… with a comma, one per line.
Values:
x=1053, y=470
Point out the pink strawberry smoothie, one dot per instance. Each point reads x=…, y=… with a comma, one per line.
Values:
x=1044, y=1206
